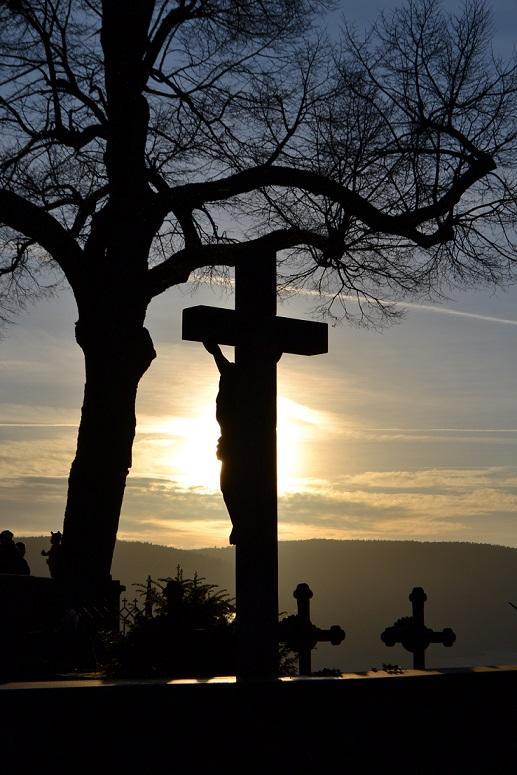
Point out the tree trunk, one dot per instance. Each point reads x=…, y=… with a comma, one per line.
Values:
x=117, y=348
x=116, y=357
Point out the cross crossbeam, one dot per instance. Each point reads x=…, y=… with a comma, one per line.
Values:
x=289, y=335
x=413, y=635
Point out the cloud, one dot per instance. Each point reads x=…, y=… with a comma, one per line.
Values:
x=45, y=451
x=435, y=504
x=473, y=504
x=427, y=435
x=434, y=479
x=446, y=492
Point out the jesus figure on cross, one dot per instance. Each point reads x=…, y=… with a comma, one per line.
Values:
x=233, y=416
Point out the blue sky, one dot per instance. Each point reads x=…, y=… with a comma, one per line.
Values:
x=408, y=433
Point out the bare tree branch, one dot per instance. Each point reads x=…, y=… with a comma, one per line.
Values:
x=178, y=268
x=41, y=227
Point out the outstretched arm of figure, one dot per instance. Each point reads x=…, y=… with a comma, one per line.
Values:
x=221, y=361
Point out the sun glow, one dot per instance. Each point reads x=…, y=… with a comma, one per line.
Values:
x=183, y=448
x=296, y=426
x=191, y=458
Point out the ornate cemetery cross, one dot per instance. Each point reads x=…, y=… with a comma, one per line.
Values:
x=302, y=635
x=412, y=633
x=259, y=337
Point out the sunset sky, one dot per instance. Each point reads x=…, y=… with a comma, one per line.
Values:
x=406, y=434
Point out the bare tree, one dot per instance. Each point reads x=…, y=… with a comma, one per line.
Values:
x=143, y=142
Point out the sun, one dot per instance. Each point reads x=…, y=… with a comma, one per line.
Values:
x=183, y=448
x=191, y=458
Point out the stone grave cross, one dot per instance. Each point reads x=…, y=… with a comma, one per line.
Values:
x=302, y=635
x=259, y=337
x=411, y=632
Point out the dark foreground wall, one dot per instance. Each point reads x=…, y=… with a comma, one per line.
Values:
x=447, y=723
x=38, y=625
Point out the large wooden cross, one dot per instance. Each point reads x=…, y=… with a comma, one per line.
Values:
x=258, y=336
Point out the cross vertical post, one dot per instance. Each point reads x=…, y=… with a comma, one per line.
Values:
x=417, y=599
x=256, y=553
x=303, y=594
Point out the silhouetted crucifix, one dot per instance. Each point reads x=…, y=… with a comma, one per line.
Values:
x=247, y=447
x=413, y=635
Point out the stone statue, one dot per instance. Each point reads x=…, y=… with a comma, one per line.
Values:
x=11, y=558
x=23, y=564
x=54, y=555
x=231, y=411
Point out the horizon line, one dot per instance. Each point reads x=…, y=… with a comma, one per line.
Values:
x=22, y=424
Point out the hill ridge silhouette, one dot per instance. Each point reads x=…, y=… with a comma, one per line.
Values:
x=362, y=585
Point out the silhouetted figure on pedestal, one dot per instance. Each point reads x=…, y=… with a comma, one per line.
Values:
x=24, y=565
x=55, y=555
x=231, y=415
x=11, y=560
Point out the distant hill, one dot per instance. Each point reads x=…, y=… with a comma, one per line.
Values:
x=364, y=587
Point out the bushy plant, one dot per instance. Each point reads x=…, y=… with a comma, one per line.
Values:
x=183, y=629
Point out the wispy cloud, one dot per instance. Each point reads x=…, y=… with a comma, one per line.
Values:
x=403, y=305
x=293, y=290
x=37, y=425
x=434, y=436
x=435, y=309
